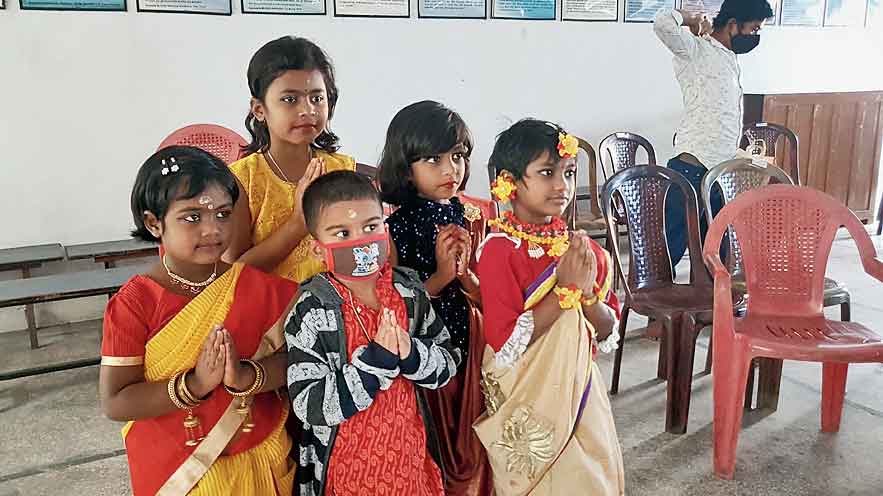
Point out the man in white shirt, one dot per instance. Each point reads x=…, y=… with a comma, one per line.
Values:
x=709, y=76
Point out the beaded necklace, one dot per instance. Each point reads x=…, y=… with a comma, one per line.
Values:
x=552, y=235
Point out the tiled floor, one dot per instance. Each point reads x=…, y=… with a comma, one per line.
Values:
x=53, y=439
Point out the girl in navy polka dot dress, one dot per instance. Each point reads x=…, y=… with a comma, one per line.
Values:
x=423, y=170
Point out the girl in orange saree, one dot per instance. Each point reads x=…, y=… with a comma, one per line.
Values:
x=189, y=355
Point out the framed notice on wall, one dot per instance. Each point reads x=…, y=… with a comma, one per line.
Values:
x=302, y=7
x=713, y=7
x=590, y=10
x=215, y=7
x=645, y=10
x=372, y=8
x=802, y=12
x=845, y=12
x=452, y=9
x=537, y=10
x=86, y=5
x=710, y=7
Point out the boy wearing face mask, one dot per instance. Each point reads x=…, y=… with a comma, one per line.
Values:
x=708, y=73
x=363, y=340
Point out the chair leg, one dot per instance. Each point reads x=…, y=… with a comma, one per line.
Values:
x=30, y=317
x=709, y=356
x=730, y=377
x=768, y=383
x=609, y=248
x=845, y=312
x=662, y=359
x=833, y=391
x=617, y=359
x=749, y=384
x=681, y=350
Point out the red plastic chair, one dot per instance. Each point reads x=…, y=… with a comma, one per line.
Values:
x=221, y=142
x=785, y=233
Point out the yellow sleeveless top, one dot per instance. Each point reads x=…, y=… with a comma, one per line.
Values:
x=271, y=202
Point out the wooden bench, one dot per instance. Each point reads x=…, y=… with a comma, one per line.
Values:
x=110, y=252
x=24, y=259
x=29, y=257
x=64, y=287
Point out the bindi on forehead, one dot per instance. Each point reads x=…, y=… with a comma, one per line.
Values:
x=207, y=201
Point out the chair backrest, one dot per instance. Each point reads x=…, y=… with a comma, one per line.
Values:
x=591, y=194
x=367, y=170
x=786, y=233
x=643, y=191
x=221, y=142
x=370, y=172
x=619, y=150
x=733, y=178
x=770, y=135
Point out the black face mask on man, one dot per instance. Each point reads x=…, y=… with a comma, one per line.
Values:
x=744, y=43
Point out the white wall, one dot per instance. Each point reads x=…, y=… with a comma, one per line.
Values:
x=86, y=97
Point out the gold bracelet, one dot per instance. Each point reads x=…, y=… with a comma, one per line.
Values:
x=590, y=300
x=568, y=296
x=173, y=393
x=185, y=397
x=255, y=387
x=185, y=393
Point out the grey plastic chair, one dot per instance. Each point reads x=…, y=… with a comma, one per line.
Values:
x=737, y=176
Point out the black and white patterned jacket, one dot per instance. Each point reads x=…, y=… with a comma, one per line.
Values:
x=326, y=389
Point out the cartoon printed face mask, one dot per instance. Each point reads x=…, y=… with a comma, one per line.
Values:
x=359, y=258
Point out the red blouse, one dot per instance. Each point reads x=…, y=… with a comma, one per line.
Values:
x=143, y=307
x=508, y=274
x=382, y=450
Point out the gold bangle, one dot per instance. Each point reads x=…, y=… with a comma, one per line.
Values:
x=590, y=300
x=173, y=393
x=258, y=381
x=185, y=393
x=186, y=398
x=568, y=296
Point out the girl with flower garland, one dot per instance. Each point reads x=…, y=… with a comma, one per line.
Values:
x=547, y=304
x=425, y=163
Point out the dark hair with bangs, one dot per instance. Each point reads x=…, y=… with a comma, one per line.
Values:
x=521, y=144
x=419, y=131
x=335, y=187
x=188, y=172
x=271, y=61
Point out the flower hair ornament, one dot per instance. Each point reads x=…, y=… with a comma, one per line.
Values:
x=170, y=166
x=568, y=145
x=503, y=188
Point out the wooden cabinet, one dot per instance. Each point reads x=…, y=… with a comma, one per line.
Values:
x=839, y=141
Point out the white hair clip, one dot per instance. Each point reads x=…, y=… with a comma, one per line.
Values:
x=172, y=166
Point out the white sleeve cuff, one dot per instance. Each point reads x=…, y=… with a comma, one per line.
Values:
x=517, y=343
x=611, y=343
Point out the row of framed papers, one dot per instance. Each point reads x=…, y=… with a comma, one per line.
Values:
x=789, y=13
x=579, y=10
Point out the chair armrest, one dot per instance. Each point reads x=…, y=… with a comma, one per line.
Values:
x=874, y=268
x=724, y=323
